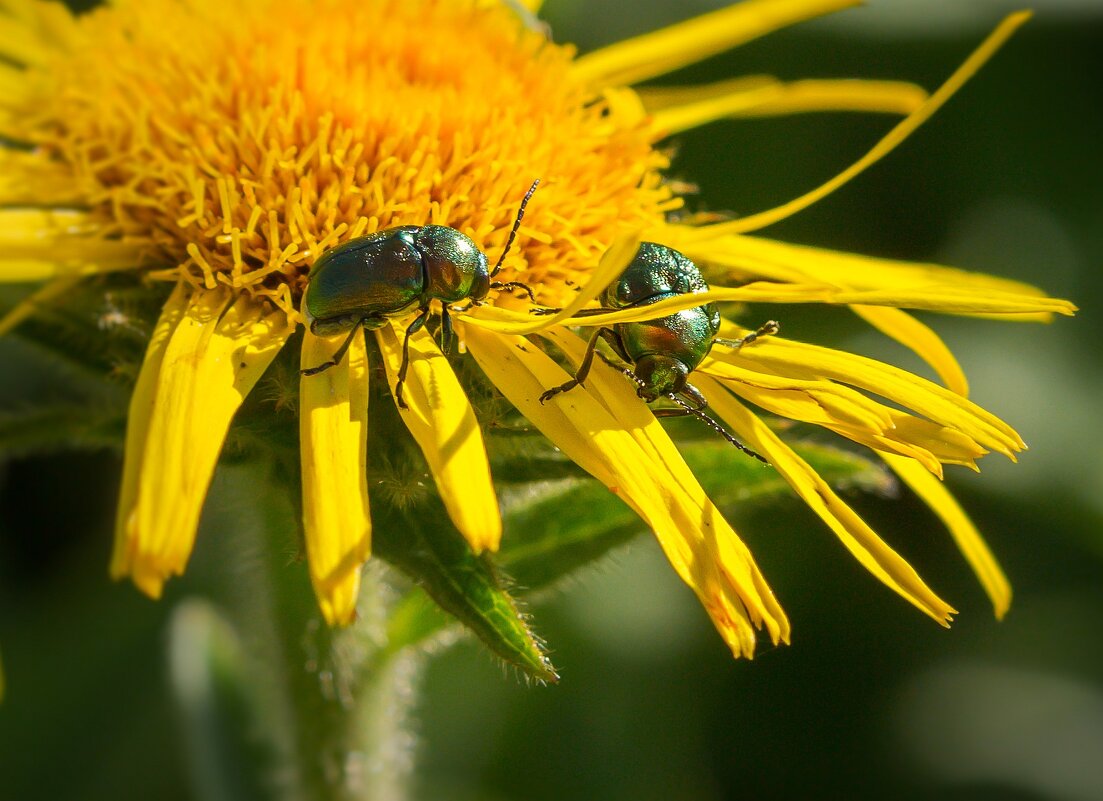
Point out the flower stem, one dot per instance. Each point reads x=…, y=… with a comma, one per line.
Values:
x=324, y=714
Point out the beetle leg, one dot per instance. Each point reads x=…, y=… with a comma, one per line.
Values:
x=446, y=333
x=338, y=355
x=411, y=329
x=768, y=328
x=583, y=370
x=514, y=285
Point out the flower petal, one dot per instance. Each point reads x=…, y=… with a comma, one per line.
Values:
x=31, y=177
x=609, y=387
x=965, y=534
x=333, y=434
x=702, y=104
x=943, y=298
x=788, y=357
x=924, y=342
x=204, y=358
x=612, y=264
x=442, y=421
x=902, y=131
x=869, y=549
x=659, y=52
x=590, y=436
x=39, y=244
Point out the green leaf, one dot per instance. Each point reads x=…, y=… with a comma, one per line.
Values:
x=464, y=585
x=556, y=528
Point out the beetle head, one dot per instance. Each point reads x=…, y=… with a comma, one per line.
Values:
x=660, y=375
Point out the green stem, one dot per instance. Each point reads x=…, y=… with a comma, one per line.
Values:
x=326, y=712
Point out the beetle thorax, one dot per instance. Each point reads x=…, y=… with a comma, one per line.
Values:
x=455, y=268
x=661, y=375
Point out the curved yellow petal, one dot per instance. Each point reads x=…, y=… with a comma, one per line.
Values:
x=609, y=387
x=924, y=342
x=442, y=421
x=869, y=549
x=589, y=435
x=213, y=354
x=750, y=257
x=965, y=534
x=33, y=178
x=660, y=98
x=333, y=435
x=611, y=265
x=801, y=360
x=933, y=298
x=902, y=131
x=659, y=52
x=823, y=402
x=40, y=244
x=703, y=104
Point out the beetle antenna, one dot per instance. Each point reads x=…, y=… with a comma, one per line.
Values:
x=516, y=225
x=715, y=426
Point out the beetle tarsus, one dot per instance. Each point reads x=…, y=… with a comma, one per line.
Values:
x=514, y=285
x=768, y=328
x=338, y=355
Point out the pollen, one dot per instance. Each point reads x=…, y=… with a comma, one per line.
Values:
x=239, y=152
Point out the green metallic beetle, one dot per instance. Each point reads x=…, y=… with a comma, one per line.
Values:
x=664, y=351
x=371, y=279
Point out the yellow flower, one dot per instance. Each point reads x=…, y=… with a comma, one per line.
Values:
x=223, y=145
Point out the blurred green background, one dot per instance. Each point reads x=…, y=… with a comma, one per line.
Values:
x=872, y=699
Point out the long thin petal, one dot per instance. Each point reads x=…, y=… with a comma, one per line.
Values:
x=33, y=178
x=869, y=549
x=924, y=342
x=212, y=358
x=931, y=298
x=611, y=265
x=609, y=387
x=441, y=420
x=703, y=104
x=40, y=244
x=659, y=52
x=798, y=359
x=586, y=432
x=333, y=434
x=887, y=144
x=141, y=410
x=965, y=534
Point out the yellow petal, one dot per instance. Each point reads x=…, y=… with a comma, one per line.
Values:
x=660, y=98
x=801, y=360
x=586, y=432
x=618, y=396
x=703, y=104
x=822, y=402
x=442, y=421
x=897, y=135
x=40, y=244
x=965, y=534
x=333, y=434
x=212, y=356
x=32, y=178
x=659, y=52
x=611, y=265
x=141, y=410
x=869, y=549
x=924, y=342
x=935, y=298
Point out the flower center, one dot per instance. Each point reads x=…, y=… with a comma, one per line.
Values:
x=245, y=137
